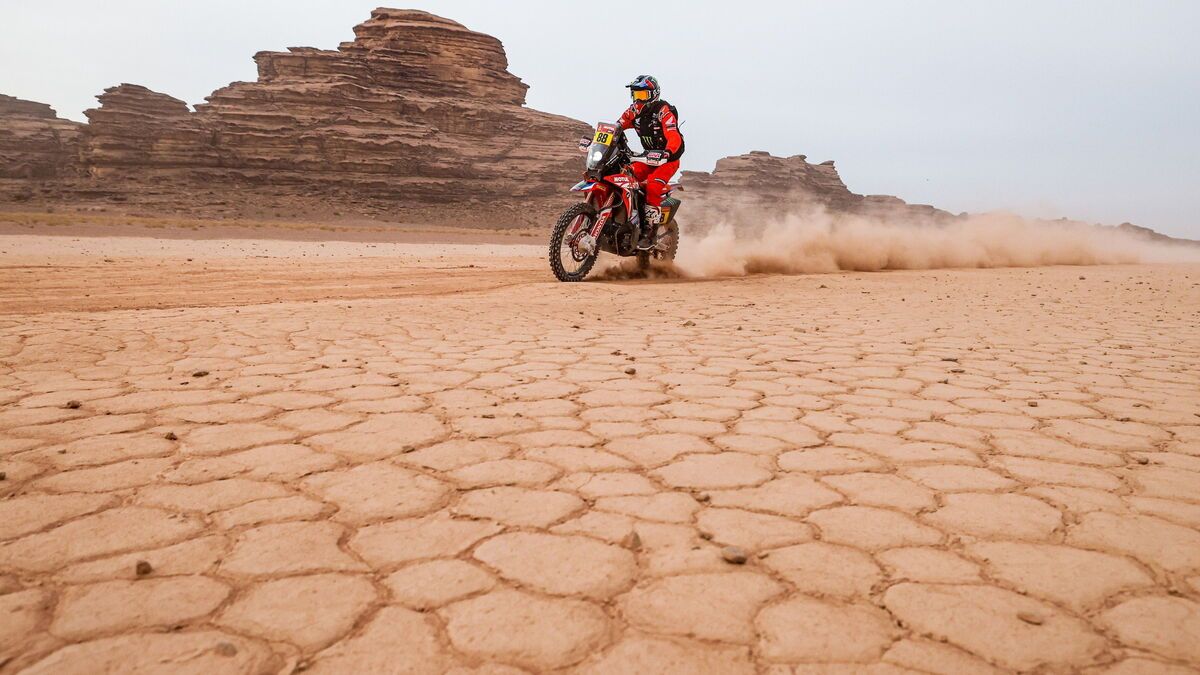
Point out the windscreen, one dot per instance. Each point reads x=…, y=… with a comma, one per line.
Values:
x=603, y=144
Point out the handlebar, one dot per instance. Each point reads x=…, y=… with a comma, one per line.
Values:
x=642, y=159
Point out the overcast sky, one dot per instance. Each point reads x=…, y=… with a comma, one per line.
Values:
x=1084, y=108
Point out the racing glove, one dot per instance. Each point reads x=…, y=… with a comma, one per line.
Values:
x=658, y=157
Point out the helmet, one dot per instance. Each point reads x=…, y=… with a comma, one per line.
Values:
x=644, y=89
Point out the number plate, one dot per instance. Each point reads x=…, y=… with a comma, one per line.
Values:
x=604, y=133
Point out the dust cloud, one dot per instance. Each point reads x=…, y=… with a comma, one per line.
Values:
x=623, y=269
x=815, y=241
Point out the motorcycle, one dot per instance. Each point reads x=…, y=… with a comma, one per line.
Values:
x=610, y=216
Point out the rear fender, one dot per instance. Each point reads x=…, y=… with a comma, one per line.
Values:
x=670, y=207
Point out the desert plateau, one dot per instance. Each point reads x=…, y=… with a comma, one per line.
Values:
x=287, y=385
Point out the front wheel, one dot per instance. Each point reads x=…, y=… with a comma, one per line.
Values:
x=567, y=260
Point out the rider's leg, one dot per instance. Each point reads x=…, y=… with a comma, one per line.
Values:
x=642, y=173
x=658, y=183
x=656, y=187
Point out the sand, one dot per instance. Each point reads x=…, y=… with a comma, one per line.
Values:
x=258, y=456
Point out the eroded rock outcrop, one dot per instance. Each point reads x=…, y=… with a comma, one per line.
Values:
x=416, y=120
x=416, y=113
x=137, y=132
x=747, y=188
x=34, y=142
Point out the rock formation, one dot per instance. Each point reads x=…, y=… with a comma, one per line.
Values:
x=416, y=120
x=745, y=188
x=746, y=191
x=415, y=114
x=1150, y=235
x=138, y=133
x=34, y=142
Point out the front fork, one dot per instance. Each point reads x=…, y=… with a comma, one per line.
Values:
x=586, y=241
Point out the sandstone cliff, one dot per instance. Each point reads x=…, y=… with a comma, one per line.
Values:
x=415, y=114
x=416, y=120
x=34, y=142
x=745, y=188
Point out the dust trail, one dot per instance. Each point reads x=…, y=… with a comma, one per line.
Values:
x=815, y=241
x=621, y=269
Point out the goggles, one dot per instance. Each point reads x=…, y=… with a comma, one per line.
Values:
x=640, y=94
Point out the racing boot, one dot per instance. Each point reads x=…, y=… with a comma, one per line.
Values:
x=649, y=227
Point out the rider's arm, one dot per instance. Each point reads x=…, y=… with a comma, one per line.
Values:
x=670, y=129
x=626, y=121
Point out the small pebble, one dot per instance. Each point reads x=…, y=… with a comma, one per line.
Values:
x=200, y=373
x=703, y=497
x=632, y=541
x=170, y=436
x=73, y=405
x=1030, y=618
x=631, y=371
x=3, y=475
x=1142, y=460
x=226, y=649
x=142, y=568
x=706, y=536
x=1033, y=404
x=689, y=324
x=488, y=416
x=734, y=555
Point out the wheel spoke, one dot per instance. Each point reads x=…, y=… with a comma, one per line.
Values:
x=575, y=232
x=568, y=261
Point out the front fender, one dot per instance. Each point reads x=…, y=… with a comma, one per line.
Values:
x=584, y=186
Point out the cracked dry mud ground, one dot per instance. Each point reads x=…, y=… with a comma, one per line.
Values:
x=947, y=471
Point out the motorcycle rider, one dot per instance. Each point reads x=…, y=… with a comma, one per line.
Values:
x=657, y=125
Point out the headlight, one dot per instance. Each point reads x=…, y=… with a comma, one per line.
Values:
x=596, y=156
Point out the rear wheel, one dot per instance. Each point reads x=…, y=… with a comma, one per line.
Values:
x=668, y=246
x=567, y=261
x=671, y=245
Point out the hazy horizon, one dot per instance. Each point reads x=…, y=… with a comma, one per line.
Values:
x=1049, y=109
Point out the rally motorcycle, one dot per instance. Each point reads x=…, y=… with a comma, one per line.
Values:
x=609, y=219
